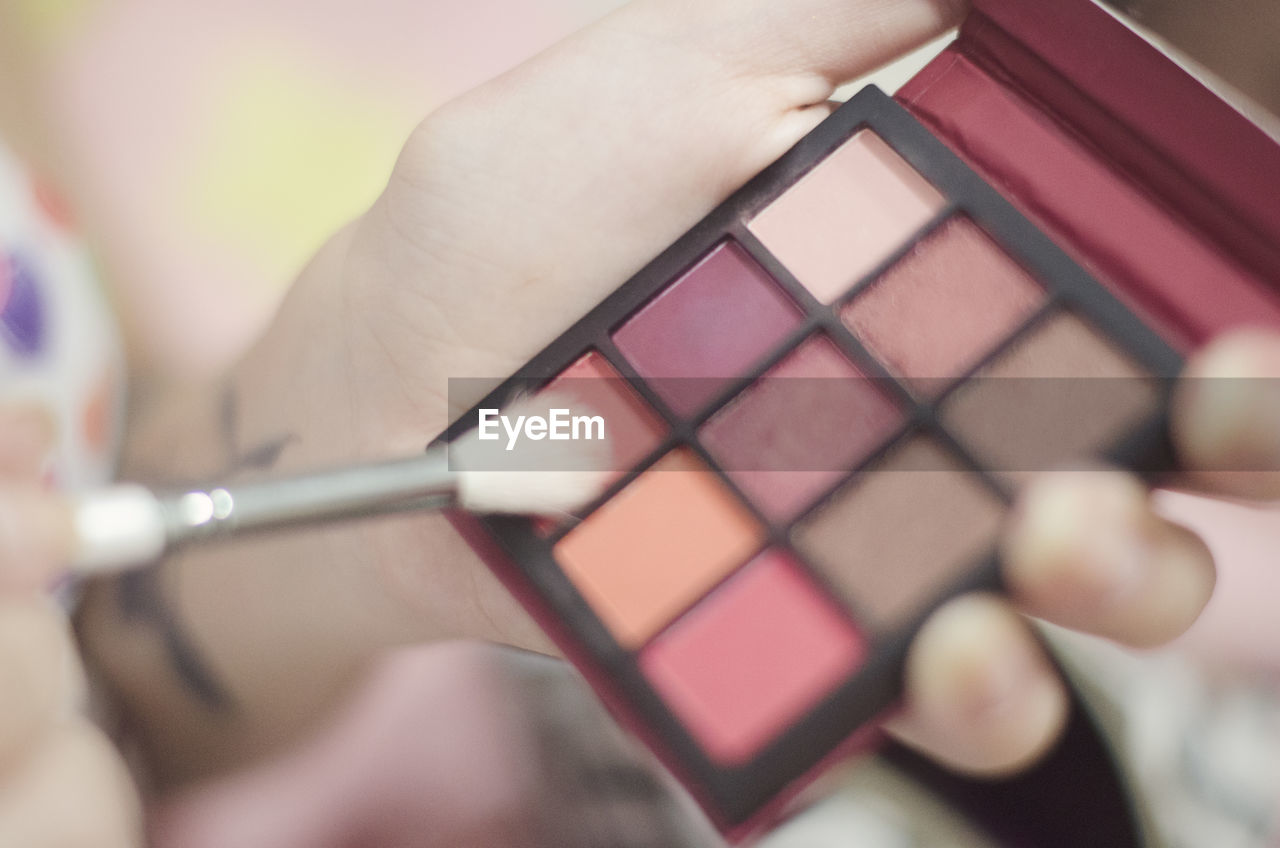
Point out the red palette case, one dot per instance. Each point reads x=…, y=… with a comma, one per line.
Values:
x=1162, y=189
x=830, y=388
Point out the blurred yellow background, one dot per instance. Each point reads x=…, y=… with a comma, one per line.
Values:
x=211, y=147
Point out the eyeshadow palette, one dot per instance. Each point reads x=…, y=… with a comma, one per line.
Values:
x=822, y=400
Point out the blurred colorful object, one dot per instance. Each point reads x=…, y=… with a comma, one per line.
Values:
x=59, y=347
x=21, y=309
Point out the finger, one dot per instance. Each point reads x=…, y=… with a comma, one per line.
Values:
x=1085, y=550
x=34, y=668
x=1226, y=416
x=73, y=792
x=36, y=538
x=705, y=94
x=981, y=696
x=835, y=40
x=27, y=434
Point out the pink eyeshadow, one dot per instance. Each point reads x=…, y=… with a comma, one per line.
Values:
x=944, y=306
x=847, y=215
x=709, y=326
x=752, y=657
x=633, y=429
x=798, y=430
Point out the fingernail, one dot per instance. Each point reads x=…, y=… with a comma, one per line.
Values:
x=1087, y=527
x=982, y=661
x=1003, y=682
x=1117, y=534
x=1228, y=410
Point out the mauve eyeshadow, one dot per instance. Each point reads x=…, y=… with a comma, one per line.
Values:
x=708, y=327
x=791, y=435
x=899, y=535
x=944, y=306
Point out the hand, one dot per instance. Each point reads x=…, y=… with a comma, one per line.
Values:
x=448, y=746
x=510, y=213
x=62, y=784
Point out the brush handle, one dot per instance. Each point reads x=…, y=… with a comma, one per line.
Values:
x=129, y=525
x=416, y=483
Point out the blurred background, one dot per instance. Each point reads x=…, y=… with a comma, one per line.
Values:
x=210, y=148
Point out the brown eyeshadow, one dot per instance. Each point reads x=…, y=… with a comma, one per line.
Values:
x=1061, y=393
x=943, y=307
x=897, y=537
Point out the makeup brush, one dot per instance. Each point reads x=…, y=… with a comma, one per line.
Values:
x=129, y=525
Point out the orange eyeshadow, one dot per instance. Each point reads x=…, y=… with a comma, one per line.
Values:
x=658, y=546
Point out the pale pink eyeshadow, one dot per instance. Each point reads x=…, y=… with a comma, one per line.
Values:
x=847, y=215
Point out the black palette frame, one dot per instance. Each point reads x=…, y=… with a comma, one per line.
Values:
x=735, y=797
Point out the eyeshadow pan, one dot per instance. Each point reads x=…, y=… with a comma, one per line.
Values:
x=797, y=430
x=1062, y=392
x=751, y=657
x=633, y=429
x=657, y=546
x=893, y=540
x=943, y=306
x=847, y=215
x=707, y=327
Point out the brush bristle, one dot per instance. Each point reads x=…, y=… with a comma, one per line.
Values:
x=117, y=528
x=542, y=477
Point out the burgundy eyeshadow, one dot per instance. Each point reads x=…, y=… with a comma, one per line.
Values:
x=708, y=327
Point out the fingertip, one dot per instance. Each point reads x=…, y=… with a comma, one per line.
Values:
x=36, y=539
x=981, y=695
x=1186, y=584
x=1072, y=541
x=1085, y=549
x=34, y=652
x=74, y=792
x=1226, y=415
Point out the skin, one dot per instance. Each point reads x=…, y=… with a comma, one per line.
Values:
x=63, y=783
x=634, y=128
x=452, y=745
